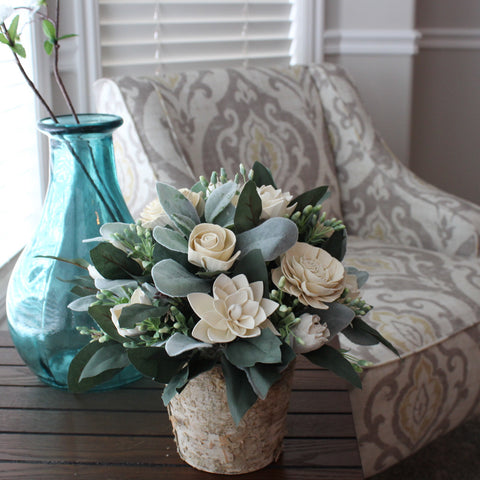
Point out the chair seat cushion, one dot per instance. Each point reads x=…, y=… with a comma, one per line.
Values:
x=428, y=305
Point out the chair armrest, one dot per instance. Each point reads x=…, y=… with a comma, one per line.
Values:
x=381, y=198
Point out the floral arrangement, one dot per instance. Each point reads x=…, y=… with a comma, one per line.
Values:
x=231, y=272
x=10, y=36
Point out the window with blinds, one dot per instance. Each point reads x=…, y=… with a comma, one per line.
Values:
x=20, y=188
x=151, y=37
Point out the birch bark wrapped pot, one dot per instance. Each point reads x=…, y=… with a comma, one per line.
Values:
x=207, y=437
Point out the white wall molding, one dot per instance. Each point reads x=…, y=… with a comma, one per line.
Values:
x=371, y=42
x=450, y=38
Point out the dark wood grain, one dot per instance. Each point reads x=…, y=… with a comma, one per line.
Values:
x=124, y=434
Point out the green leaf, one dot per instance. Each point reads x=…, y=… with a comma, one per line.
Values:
x=199, y=187
x=336, y=245
x=102, y=315
x=240, y=395
x=178, y=381
x=179, y=343
x=312, y=197
x=331, y=359
x=111, y=357
x=155, y=363
x=49, y=30
x=246, y=352
x=262, y=175
x=48, y=47
x=12, y=29
x=361, y=332
x=361, y=275
x=113, y=263
x=261, y=378
x=273, y=237
x=137, y=312
x=3, y=39
x=175, y=203
x=219, y=200
x=170, y=239
x=174, y=280
x=249, y=208
x=253, y=266
x=76, y=384
x=183, y=223
x=70, y=35
x=337, y=317
x=19, y=50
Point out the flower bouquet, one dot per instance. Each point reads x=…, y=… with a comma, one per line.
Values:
x=214, y=292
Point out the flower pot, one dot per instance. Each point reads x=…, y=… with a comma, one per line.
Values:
x=83, y=194
x=207, y=437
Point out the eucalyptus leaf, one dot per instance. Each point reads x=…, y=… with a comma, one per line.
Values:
x=240, y=395
x=273, y=237
x=171, y=239
x=113, y=263
x=108, y=230
x=262, y=175
x=175, y=203
x=179, y=343
x=178, y=381
x=253, y=266
x=102, y=315
x=337, y=317
x=219, y=200
x=174, y=280
x=331, y=359
x=249, y=208
x=246, y=352
x=336, y=245
x=155, y=363
x=78, y=364
x=111, y=357
x=137, y=312
x=226, y=218
x=312, y=197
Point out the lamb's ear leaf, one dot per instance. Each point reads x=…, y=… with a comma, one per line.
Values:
x=262, y=175
x=273, y=237
x=219, y=200
x=240, y=395
x=176, y=205
x=81, y=378
x=331, y=359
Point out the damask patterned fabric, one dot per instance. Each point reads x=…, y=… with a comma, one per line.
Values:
x=419, y=244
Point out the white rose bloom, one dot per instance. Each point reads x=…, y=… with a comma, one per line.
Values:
x=211, y=246
x=311, y=331
x=138, y=296
x=237, y=309
x=274, y=202
x=311, y=274
x=153, y=215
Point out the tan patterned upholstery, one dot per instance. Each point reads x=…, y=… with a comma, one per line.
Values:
x=420, y=245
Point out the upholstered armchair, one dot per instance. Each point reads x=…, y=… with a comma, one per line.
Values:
x=419, y=244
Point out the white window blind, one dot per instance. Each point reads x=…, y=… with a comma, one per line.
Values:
x=149, y=37
x=20, y=187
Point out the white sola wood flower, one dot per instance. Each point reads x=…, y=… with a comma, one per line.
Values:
x=309, y=334
x=138, y=296
x=237, y=309
x=274, y=202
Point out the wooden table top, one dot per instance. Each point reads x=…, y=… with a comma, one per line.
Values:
x=50, y=434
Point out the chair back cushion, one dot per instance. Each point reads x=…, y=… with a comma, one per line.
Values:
x=194, y=122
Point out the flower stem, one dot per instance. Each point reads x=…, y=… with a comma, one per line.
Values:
x=56, y=71
x=24, y=73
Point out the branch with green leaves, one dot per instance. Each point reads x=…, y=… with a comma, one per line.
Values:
x=11, y=36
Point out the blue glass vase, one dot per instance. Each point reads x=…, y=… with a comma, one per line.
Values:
x=83, y=194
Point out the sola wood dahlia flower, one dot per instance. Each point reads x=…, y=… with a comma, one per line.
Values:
x=237, y=309
x=311, y=274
